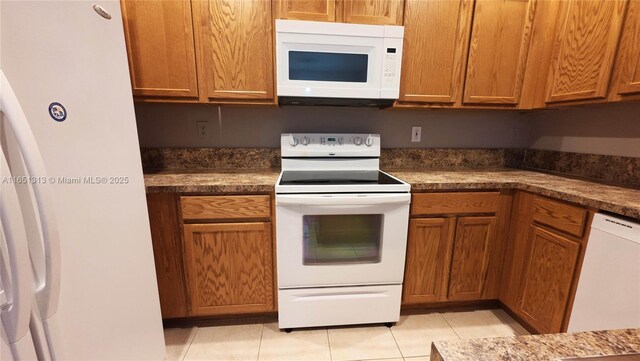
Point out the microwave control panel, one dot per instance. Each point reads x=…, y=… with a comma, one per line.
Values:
x=391, y=62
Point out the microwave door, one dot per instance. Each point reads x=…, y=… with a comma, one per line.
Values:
x=332, y=70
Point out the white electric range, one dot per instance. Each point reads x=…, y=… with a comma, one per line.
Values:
x=341, y=232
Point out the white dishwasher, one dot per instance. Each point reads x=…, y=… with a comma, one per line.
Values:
x=608, y=294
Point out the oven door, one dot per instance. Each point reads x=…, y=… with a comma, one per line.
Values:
x=329, y=66
x=341, y=239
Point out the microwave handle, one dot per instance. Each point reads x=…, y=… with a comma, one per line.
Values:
x=342, y=199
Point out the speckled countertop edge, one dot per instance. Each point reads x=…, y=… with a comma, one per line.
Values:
x=539, y=347
x=619, y=200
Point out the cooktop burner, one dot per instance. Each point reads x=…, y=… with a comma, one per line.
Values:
x=336, y=177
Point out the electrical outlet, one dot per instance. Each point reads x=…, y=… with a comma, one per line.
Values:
x=516, y=134
x=203, y=128
x=416, y=134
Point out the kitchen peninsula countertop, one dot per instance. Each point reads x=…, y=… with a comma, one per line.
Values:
x=539, y=347
x=620, y=200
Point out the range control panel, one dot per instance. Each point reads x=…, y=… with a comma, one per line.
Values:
x=329, y=145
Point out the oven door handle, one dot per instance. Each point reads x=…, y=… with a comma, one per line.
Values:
x=342, y=199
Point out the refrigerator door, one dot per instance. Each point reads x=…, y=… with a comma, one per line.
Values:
x=5, y=349
x=16, y=278
x=69, y=72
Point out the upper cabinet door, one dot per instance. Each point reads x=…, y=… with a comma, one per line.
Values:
x=498, y=51
x=628, y=62
x=436, y=35
x=159, y=36
x=376, y=12
x=314, y=10
x=585, y=49
x=235, y=49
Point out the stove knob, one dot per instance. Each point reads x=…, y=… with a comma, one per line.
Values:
x=357, y=141
x=293, y=141
x=305, y=141
x=369, y=142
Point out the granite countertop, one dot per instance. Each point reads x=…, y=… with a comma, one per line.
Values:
x=539, y=347
x=624, y=201
x=261, y=180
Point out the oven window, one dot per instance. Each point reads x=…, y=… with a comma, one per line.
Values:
x=308, y=65
x=337, y=239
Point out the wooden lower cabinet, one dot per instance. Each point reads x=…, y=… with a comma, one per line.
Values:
x=455, y=246
x=221, y=265
x=167, y=253
x=429, y=250
x=546, y=282
x=471, y=254
x=543, y=260
x=229, y=267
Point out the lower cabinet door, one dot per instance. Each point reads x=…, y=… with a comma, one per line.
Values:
x=428, y=258
x=229, y=267
x=547, y=279
x=471, y=253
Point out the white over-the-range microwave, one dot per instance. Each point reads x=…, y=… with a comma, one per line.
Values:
x=337, y=64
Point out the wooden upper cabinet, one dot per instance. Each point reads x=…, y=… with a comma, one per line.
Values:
x=498, y=51
x=436, y=35
x=627, y=65
x=314, y=10
x=471, y=254
x=160, y=45
x=234, y=40
x=546, y=282
x=428, y=257
x=376, y=12
x=585, y=49
x=229, y=267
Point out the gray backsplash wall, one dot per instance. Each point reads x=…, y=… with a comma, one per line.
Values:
x=608, y=129
x=174, y=125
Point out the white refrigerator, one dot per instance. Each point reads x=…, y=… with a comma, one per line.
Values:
x=77, y=278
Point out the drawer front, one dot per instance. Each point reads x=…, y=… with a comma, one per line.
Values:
x=311, y=307
x=561, y=216
x=225, y=207
x=423, y=204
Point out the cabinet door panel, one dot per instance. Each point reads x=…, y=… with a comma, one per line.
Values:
x=547, y=279
x=168, y=254
x=586, y=46
x=516, y=249
x=434, y=53
x=498, y=51
x=428, y=258
x=230, y=267
x=314, y=10
x=160, y=45
x=235, y=49
x=471, y=254
x=376, y=12
x=628, y=63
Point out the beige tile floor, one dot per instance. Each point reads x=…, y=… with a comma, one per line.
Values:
x=409, y=340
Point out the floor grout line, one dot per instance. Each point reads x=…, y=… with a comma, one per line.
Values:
x=260, y=343
x=447, y=321
x=190, y=341
x=396, y=341
x=329, y=344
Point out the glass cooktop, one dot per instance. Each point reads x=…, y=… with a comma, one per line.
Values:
x=336, y=177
